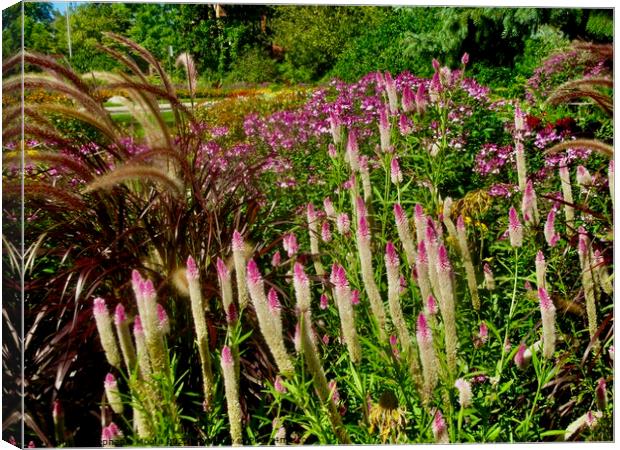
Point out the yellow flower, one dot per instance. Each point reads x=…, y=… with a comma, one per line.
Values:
x=387, y=418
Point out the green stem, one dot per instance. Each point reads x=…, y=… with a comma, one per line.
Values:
x=500, y=366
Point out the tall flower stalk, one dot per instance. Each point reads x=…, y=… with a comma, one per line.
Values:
x=313, y=229
x=547, y=311
x=342, y=294
x=106, y=334
x=238, y=249
x=587, y=280
x=567, y=196
x=231, y=388
x=472, y=284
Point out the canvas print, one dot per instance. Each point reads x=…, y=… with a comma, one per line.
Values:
x=247, y=224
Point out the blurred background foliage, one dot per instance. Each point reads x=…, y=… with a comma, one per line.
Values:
x=235, y=44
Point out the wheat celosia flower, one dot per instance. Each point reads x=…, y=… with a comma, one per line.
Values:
x=408, y=99
x=353, y=151
x=567, y=196
x=278, y=385
x=428, y=358
x=420, y=99
x=223, y=275
x=551, y=236
x=124, y=337
x=390, y=90
x=106, y=334
x=489, y=280
x=365, y=176
x=422, y=270
x=587, y=279
x=231, y=387
x=420, y=222
x=162, y=317
x=269, y=319
x=446, y=305
x=541, y=270
x=547, y=311
x=430, y=307
x=589, y=419
x=584, y=179
x=343, y=224
x=136, y=283
x=440, y=429
x=396, y=176
x=323, y=302
x=200, y=325
x=336, y=128
x=238, y=248
x=523, y=357
x=142, y=354
x=603, y=277
x=469, y=266
x=365, y=255
x=384, y=129
x=326, y=234
x=465, y=395
x=276, y=259
x=392, y=265
x=601, y=394
x=328, y=206
x=152, y=332
x=529, y=206
x=404, y=233
x=343, y=297
x=113, y=394
x=289, y=243
x=515, y=230
x=331, y=150
x=107, y=440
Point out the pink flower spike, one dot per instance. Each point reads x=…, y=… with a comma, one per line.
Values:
x=383, y=117
x=343, y=223
x=431, y=306
x=222, y=271
x=396, y=176
x=408, y=99
x=355, y=297
x=334, y=390
x=545, y=300
x=420, y=98
x=483, y=332
x=300, y=274
x=253, y=274
x=237, y=241
x=329, y=207
x=162, y=317
x=110, y=381
x=540, y=257
x=422, y=254
x=460, y=223
x=399, y=214
x=114, y=430
x=440, y=429
x=278, y=386
x=231, y=314
x=436, y=64
x=325, y=339
x=393, y=340
x=324, y=302
x=136, y=279
x=443, y=261
x=276, y=259
x=119, y=314
x=520, y=358
x=361, y=207
x=148, y=289
x=192, y=269
x=311, y=213
x=227, y=358
x=106, y=437
x=363, y=231
x=331, y=150
x=273, y=301
x=99, y=306
x=326, y=234
x=550, y=234
x=391, y=257
x=422, y=330
x=465, y=58
x=137, y=326
x=515, y=230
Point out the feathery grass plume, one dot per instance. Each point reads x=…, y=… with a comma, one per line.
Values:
x=342, y=295
x=404, y=234
x=465, y=395
x=392, y=265
x=591, y=144
x=396, y=175
x=187, y=62
x=489, y=280
x=200, y=326
x=428, y=358
x=440, y=429
x=551, y=236
x=313, y=228
x=368, y=277
x=601, y=273
x=106, y=335
x=515, y=230
x=384, y=129
x=567, y=196
x=547, y=311
x=137, y=172
x=541, y=270
x=430, y=307
x=313, y=363
x=611, y=173
x=461, y=235
x=238, y=249
x=124, y=337
x=152, y=332
x=446, y=305
x=419, y=219
x=336, y=128
x=267, y=319
x=422, y=270
x=223, y=275
x=231, y=387
x=519, y=149
x=365, y=176
x=113, y=394
x=587, y=280
x=601, y=394
x=529, y=207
